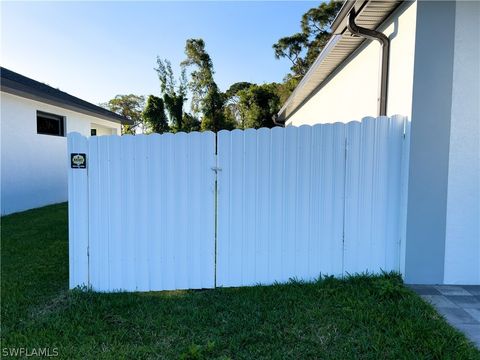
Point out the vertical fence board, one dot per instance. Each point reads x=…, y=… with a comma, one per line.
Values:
x=353, y=250
x=115, y=212
x=262, y=236
x=276, y=212
x=334, y=193
x=128, y=224
x=249, y=203
x=290, y=219
x=395, y=142
x=302, y=202
x=315, y=213
x=78, y=214
x=380, y=194
x=236, y=209
x=156, y=214
x=404, y=192
x=95, y=212
x=223, y=201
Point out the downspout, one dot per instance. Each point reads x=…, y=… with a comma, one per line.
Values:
x=278, y=122
x=385, y=43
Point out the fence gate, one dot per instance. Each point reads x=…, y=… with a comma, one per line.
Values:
x=141, y=213
x=145, y=212
x=298, y=202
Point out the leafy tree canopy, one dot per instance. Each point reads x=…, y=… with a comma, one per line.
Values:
x=154, y=115
x=191, y=123
x=174, y=96
x=129, y=106
x=207, y=99
x=236, y=87
x=303, y=48
x=258, y=104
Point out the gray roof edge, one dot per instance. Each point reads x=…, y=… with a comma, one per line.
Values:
x=340, y=22
x=56, y=97
x=326, y=50
x=341, y=16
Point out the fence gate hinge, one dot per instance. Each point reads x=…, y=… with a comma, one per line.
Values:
x=216, y=169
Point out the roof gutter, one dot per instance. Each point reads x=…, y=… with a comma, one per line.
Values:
x=340, y=22
x=280, y=119
x=385, y=43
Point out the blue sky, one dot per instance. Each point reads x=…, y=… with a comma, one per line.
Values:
x=95, y=50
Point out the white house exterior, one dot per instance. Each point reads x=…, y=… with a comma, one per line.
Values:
x=356, y=80
x=33, y=160
x=434, y=79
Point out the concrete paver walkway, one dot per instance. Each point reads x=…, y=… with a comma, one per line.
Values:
x=459, y=304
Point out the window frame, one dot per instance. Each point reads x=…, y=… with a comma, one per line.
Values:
x=60, y=118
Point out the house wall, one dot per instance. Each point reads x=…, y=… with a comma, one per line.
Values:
x=352, y=91
x=443, y=221
x=34, y=166
x=462, y=244
x=429, y=145
x=104, y=130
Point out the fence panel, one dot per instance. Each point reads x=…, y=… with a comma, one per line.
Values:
x=150, y=219
x=290, y=203
x=373, y=194
x=300, y=202
x=280, y=204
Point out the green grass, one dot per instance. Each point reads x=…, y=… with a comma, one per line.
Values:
x=361, y=317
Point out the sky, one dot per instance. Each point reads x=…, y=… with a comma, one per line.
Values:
x=96, y=50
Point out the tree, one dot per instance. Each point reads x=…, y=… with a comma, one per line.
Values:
x=154, y=115
x=207, y=99
x=292, y=47
x=285, y=88
x=129, y=106
x=236, y=87
x=258, y=104
x=173, y=96
x=303, y=48
x=253, y=106
x=232, y=107
x=190, y=123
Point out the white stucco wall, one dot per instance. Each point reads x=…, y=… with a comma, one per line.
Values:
x=34, y=166
x=104, y=130
x=462, y=244
x=353, y=91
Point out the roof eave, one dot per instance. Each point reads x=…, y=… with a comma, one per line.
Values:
x=339, y=24
x=326, y=50
x=339, y=32
x=25, y=93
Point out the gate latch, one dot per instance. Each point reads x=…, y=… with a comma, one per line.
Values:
x=216, y=169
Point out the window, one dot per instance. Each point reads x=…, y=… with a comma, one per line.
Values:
x=50, y=124
x=93, y=132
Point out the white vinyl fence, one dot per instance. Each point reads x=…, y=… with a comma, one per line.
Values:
x=162, y=212
x=142, y=213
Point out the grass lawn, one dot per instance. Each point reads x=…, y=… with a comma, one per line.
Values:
x=357, y=318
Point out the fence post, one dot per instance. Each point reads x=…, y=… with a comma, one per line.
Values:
x=404, y=193
x=78, y=210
